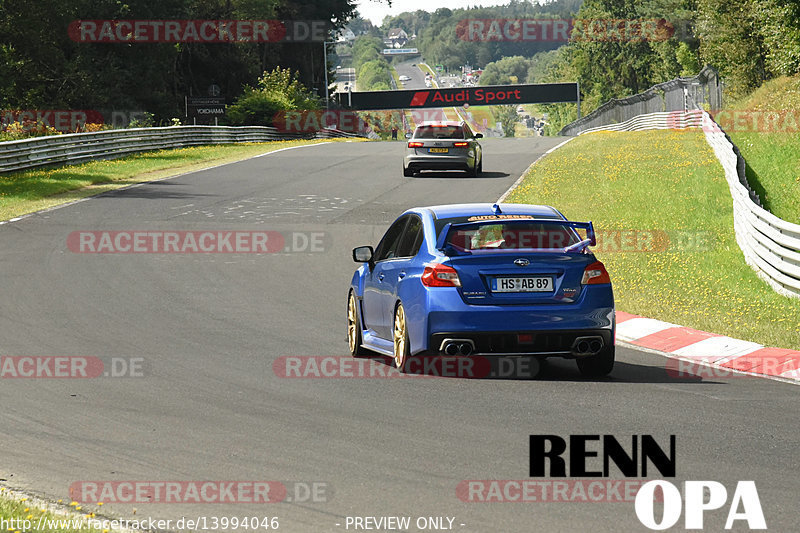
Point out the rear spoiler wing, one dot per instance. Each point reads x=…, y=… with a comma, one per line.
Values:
x=590, y=240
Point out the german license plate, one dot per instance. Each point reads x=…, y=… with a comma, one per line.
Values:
x=523, y=284
x=437, y=150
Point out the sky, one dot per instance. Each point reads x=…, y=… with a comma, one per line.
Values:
x=375, y=11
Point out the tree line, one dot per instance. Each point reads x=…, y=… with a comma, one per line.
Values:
x=43, y=67
x=747, y=41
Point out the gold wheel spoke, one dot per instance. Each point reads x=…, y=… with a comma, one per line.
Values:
x=352, y=332
x=399, y=337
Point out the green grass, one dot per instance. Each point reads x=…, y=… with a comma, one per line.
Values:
x=426, y=69
x=22, y=509
x=773, y=157
x=668, y=181
x=31, y=190
x=396, y=78
x=773, y=170
x=482, y=112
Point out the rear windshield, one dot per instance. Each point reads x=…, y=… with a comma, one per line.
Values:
x=439, y=132
x=440, y=223
x=511, y=236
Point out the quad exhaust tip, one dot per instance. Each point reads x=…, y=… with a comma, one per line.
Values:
x=585, y=346
x=458, y=347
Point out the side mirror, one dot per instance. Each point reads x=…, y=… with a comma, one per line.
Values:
x=363, y=254
x=408, y=135
x=479, y=135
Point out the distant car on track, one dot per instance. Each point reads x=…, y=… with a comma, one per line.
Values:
x=404, y=78
x=443, y=146
x=486, y=280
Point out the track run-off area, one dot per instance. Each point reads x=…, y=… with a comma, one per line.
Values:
x=206, y=329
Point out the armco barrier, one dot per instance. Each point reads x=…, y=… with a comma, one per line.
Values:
x=75, y=148
x=653, y=121
x=771, y=246
x=680, y=94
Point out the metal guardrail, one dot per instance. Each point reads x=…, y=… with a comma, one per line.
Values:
x=771, y=246
x=680, y=94
x=653, y=121
x=73, y=148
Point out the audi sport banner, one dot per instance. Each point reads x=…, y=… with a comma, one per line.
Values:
x=540, y=93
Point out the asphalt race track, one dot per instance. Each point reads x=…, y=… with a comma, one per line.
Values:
x=210, y=326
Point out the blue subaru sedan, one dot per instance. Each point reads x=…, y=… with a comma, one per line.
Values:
x=483, y=280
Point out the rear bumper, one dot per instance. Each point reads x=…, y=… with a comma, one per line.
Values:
x=439, y=162
x=494, y=329
x=545, y=343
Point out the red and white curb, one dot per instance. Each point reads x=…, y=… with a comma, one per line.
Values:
x=699, y=348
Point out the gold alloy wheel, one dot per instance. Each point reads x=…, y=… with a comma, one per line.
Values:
x=400, y=337
x=352, y=324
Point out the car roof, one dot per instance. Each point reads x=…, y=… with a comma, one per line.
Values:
x=463, y=210
x=440, y=123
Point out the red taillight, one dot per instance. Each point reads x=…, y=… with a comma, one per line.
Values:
x=595, y=273
x=461, y=145
x=439, y=275
x=415, y=144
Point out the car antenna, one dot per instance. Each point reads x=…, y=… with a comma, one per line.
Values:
x=496, y=209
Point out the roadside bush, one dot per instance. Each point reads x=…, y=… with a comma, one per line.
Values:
x=145, y=121
x=507, y=116
x=279, y=90
x=22, y=130
x=92, y=126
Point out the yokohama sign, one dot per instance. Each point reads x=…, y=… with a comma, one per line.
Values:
x=540, y=93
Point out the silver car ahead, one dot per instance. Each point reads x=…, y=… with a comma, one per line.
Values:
x=443, y=146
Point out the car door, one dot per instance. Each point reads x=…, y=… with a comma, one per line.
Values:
x=374, y=286
x=397, y=268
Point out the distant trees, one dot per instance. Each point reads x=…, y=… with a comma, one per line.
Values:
x=508, y=70
x=372, y=70
x=42, y=68
x=507, y=116
x=410, y=22
x=749, y=40
x=442, y=39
